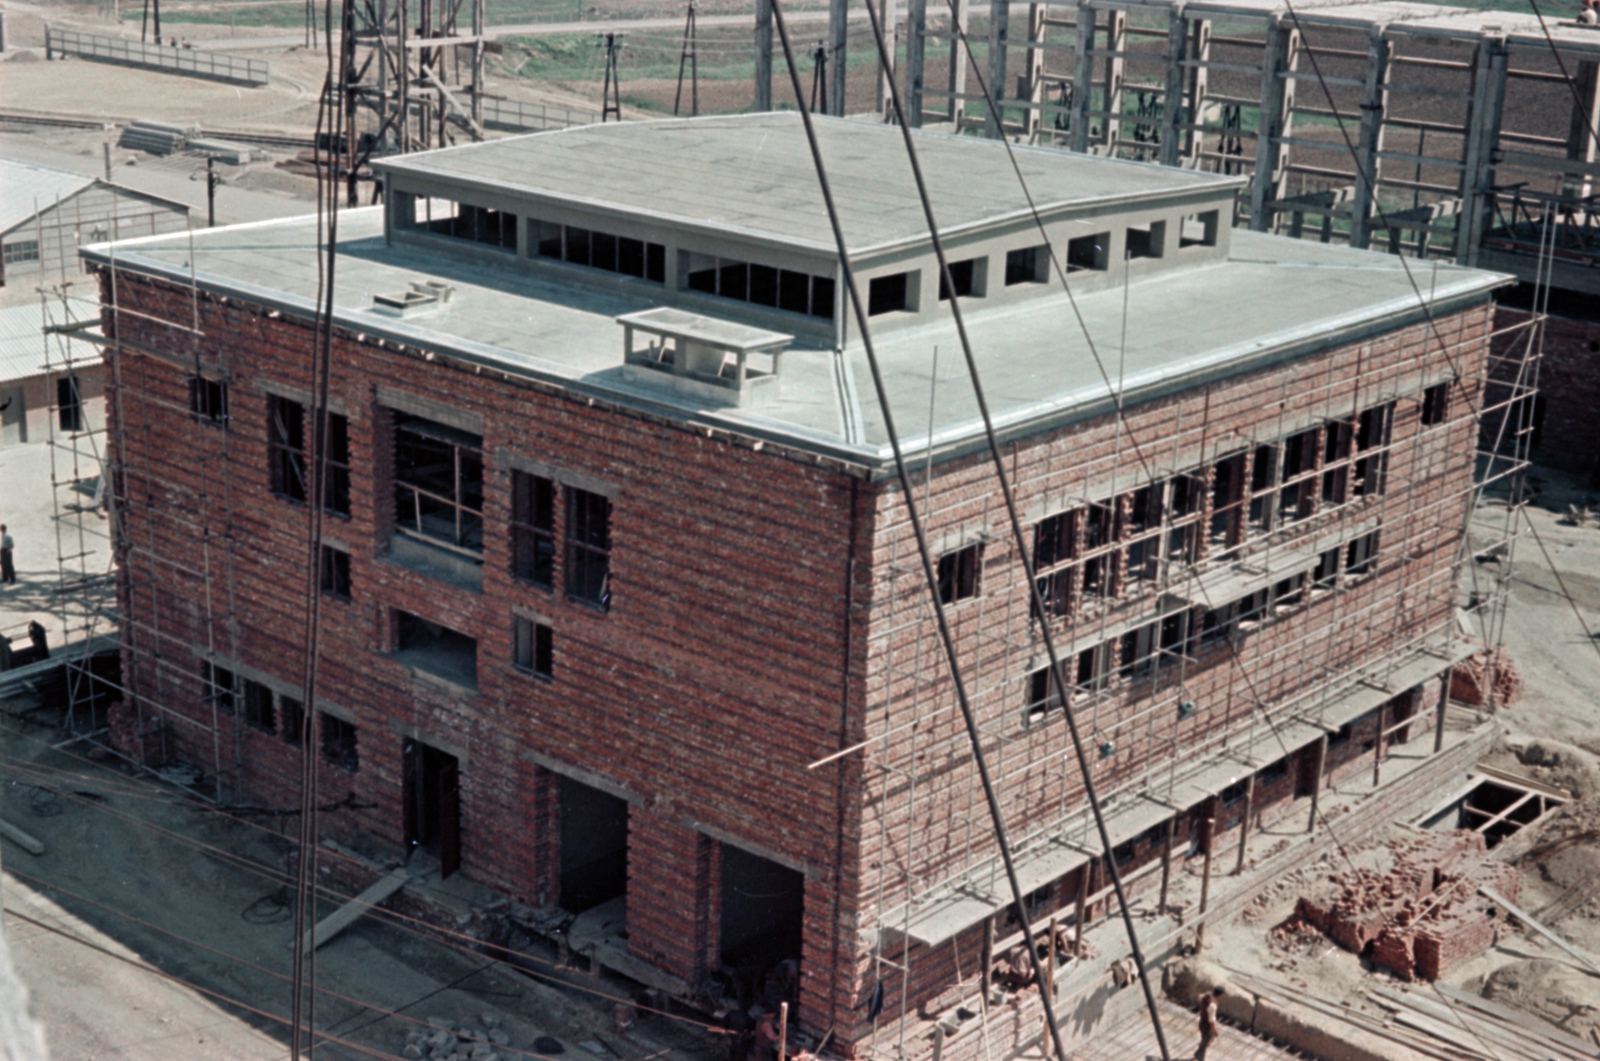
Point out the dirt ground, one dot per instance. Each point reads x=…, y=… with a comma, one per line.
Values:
x=1551, y=736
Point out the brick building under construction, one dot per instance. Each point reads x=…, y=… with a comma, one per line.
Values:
x=621, y=610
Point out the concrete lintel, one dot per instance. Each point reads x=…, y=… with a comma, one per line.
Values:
x=416, y=405
x=587, y=777
x=402, y=729
x=336, y=404
x=507, y=460
x=807, y=870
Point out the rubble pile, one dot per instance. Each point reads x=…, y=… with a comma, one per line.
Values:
x=443, y=1041
x=1419, y=914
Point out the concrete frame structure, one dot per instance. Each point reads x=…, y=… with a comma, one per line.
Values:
x=676, y=580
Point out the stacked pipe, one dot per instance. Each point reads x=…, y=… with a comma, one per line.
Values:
x=158, y=138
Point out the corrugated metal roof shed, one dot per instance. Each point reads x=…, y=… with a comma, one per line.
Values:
x=22, y=342
x=25, y=190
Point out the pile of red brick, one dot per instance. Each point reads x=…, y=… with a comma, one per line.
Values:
x=1486, y=669
x=1421, y=915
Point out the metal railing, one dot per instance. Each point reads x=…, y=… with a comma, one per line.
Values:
x=191, y=62
x=514, y=114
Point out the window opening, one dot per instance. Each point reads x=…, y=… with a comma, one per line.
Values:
x=1233, y=793
x=1327, y=571
x=286, y=447
x=783, y=289
x=23, y=250
x=438, y=483
x=966, y=275
x=1372, y=437
x=208, y=399
x=1123, y=853
x=69, y=404
x=257, y=711
x=221, y=686
x=1273, y=772
x=601, y=250
x=589, y=547
x=1435, y=404
x=1263, y=478
x=1147, y=241
x=336, y=466
x=477, y=224
x=291, y=721
x=436, y=649
x=335, y=573
x=958, y=574
x=889, y=294
x=1087, y=252
x=1226, y=489
x=1027, y=265
x=339, y=742
x=533, y=542
x=1361, y=554
x=533, y=648
x=1199, y=230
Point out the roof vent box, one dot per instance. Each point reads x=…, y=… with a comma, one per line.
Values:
x=421, y=297
x=699, y=357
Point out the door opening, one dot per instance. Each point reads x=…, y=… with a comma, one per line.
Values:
x=433, y=803
x=763, y=905
x=594, y=846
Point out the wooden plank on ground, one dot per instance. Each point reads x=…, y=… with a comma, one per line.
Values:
x=356, y=908
x=29, y=843
x=1565, y=1040
x=1545, y=932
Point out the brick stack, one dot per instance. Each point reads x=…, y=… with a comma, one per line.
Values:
x=1421, y=915
x=1483, y=671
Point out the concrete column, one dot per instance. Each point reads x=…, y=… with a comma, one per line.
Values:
x=1277, y=95
x=1036, y=32
x=999, y=29
x=888, y=18
x=1083, y=77
x=1316, y=780
x=1244, y=823
x=1482, y=128
x=1116, y=42
x=916, y=59
x=956, y=81
x=1199, y=49
x=1585, y=115
x=838, y=29
x=1172, y=102
x=1439, y=712
x=1374, y=101
x=763, y=97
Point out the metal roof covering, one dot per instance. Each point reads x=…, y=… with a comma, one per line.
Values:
x=752, y=175
x=22, y=342
x=1038, y=368
x=26, y=189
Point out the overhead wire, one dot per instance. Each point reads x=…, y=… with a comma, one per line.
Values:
x=1035, y=595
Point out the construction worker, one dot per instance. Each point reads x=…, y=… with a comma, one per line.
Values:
x=1208, y=1021
x=767, y=1037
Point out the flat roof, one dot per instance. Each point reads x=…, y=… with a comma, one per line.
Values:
x=752, y=175
x=1291, y=297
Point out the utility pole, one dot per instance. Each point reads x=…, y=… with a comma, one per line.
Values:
x=819, y=79
x=611, y=90
x=688, y=56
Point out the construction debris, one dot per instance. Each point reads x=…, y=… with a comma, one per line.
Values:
x=229, y=151
x=1421, y=916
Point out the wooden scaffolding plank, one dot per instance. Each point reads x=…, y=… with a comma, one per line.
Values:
x=356, y=908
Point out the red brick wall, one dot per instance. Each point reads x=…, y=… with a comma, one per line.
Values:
x=716, y=676
x=918, y=832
